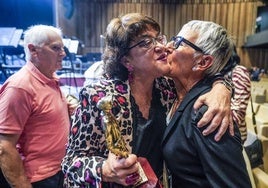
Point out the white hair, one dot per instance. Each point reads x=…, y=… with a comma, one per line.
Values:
x=38, y=35
x=213, y=39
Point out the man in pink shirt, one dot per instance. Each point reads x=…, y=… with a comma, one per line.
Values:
x=34, y=121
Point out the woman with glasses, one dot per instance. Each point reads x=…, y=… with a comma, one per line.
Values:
x=134, y=59
x=200, y=50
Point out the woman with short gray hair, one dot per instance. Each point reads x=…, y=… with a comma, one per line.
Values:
x=200, y=50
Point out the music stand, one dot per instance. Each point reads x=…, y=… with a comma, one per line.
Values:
x=72, y=45
x=71, y=48
x=9, y=37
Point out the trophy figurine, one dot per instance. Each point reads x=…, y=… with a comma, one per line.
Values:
x=117, y=145
x=114, y=140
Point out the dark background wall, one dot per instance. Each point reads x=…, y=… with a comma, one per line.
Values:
x=87, y=19
x=23, y=13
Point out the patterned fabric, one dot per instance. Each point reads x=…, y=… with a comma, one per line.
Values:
x=241, y=80
x=87, y=147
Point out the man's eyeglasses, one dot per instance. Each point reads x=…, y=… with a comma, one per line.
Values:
x=178, y=40
x=149, y=42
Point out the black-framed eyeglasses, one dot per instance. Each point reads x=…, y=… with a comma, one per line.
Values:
x=178, y=40
x=149, y=42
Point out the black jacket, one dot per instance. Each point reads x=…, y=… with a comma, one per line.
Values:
x=198, y=161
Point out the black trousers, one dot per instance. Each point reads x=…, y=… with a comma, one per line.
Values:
x=55, y=181
x=3, y=182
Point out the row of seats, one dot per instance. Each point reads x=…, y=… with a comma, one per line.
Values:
x=260, y=173
x=259, y=93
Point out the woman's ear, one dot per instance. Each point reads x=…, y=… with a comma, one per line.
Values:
x=124, y=61
x=206, y=62
x=203, y=64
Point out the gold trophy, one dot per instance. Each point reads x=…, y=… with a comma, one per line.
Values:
x=117, y=145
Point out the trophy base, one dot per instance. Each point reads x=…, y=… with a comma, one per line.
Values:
x=143, y=177
x=148, y=177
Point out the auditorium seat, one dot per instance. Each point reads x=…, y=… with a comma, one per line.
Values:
x=258, y=94
x=261, y=178
x=248, y=117
x=265, y=153
x=262, y=120
x=259, y=90
x=260, y=174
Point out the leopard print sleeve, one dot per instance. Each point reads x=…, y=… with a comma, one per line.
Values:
x=86, y=149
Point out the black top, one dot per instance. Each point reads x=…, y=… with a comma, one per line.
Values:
x=146, y=131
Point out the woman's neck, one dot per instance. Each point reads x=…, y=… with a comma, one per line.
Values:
x=142, y=93
x=183, y=87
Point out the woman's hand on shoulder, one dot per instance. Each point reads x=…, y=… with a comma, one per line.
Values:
x=218, y=114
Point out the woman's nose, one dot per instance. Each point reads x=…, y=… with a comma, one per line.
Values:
x=170, y=47
x=159, y=47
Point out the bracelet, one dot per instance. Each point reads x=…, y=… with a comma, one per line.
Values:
x=218, y=76
x=228, y=84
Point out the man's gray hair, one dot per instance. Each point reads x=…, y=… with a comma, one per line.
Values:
x=38, y=36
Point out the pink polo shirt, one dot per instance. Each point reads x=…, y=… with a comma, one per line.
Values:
x=34, y=107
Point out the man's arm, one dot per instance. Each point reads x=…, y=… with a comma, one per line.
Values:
x=11, y=163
